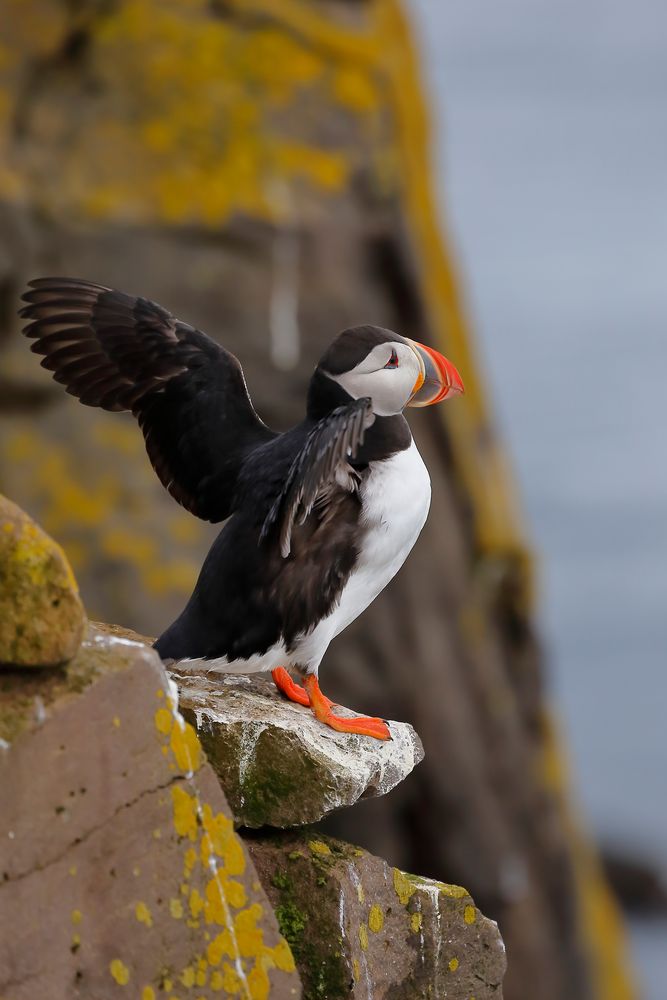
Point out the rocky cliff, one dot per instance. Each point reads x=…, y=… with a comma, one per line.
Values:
x=261, y=168
x=123, y=873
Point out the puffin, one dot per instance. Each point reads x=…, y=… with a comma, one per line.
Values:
x=317, y=519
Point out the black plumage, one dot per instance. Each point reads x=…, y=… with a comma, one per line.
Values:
x=294, y=531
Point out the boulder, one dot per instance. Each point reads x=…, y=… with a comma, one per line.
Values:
x=41, y=615
x=359, y=928
x=121, y=873
x=278, y=765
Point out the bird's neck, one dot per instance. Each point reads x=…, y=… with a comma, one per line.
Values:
x=324, y=396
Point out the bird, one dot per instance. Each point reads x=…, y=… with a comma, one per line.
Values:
x=317, y=519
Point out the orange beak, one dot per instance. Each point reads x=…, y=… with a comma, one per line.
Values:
x=438, y=378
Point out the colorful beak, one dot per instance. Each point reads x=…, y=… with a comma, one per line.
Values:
x=438, y=378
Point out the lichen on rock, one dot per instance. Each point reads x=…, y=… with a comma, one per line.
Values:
x=278, y=765
x=122, y=827
x=41, y=615
x=359, y=928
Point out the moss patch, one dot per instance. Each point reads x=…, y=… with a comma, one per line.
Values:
x=276, y=785
x=302, y=891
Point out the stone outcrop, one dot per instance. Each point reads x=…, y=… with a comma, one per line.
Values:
x=278, y=765
x=121, y=873
x=359, y=928
x=41, y=616
x=273, y=189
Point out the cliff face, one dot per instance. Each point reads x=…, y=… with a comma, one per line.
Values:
x=260, y=169
x=123, y=874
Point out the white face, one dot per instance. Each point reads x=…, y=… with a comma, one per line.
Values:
x=387, y=374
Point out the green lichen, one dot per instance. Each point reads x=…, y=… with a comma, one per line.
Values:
x=266, y=789
x=303, y=899
x=278, y=782
x=292, y=922
x=281, y=880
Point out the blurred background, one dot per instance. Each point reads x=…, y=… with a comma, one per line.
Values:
x=266, y=171
x=552, y=159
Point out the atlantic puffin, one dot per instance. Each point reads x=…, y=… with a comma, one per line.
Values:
x=318, y=519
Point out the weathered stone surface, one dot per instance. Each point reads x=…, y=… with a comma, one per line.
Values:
x=121, y=871
x=41, y=616
x=278, y=765
x=361, y=929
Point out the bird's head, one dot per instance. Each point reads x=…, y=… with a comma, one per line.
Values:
x=393, y=371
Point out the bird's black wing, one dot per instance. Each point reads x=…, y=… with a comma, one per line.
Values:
x=329, y=448
x=188, y=394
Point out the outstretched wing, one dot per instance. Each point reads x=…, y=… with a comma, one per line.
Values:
x=188, y=394
x=323, y=462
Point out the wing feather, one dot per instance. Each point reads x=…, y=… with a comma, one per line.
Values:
x=188, y=393
x=323, y=461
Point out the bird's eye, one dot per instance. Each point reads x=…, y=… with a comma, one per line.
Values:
x=393, y=360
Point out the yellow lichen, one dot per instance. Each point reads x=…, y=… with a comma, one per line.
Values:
x=143, y=914
x=185, y=746
x=363, y=937
x=119, y=972
x=453, y=891
x=319, y=847
x=148, y=993
x=77, y=916
x=402, y=886
x=376, y=919
x=185, y=812
x=283, y=957
x=164, y=721
x=196, y=902
x=453, y=964
x=187, y=977
x=469, y=914
x=415, y=922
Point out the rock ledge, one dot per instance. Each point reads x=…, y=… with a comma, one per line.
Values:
x=277, y=764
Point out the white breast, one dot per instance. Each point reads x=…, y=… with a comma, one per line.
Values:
x=396, y=495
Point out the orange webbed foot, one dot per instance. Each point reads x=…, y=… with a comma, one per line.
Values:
x=363, y=725
x=292, y=690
